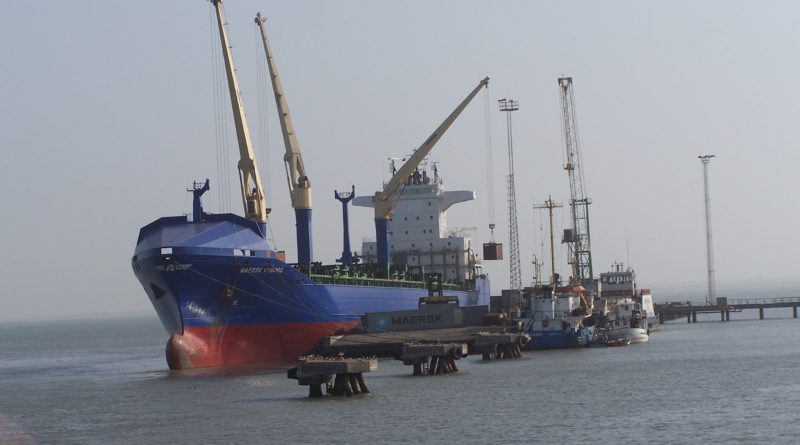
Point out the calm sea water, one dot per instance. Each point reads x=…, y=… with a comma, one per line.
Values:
x=99, y=382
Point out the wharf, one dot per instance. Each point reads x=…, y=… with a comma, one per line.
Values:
x=672, y=311
x=390, y=344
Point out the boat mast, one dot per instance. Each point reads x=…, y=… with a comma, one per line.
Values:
x=299, y=185
x=385, y=200
x=550, y=205
x=253, y=197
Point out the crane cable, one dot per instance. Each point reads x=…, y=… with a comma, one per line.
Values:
x=489, y=165
x=263, y=145
x=220, y=119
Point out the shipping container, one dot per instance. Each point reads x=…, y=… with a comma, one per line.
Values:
x=492, y=251
x=429, y=317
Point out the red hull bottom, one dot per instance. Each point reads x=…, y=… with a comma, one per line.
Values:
x=270, y=344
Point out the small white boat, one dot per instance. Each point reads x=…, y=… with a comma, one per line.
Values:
x=622, y=319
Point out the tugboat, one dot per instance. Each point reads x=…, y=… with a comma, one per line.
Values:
x=559, y=317
x=624, y=312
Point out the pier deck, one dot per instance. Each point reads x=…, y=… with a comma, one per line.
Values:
x=390, y=344
x=672, y=311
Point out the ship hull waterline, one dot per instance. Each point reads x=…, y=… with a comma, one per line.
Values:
x=226, y=306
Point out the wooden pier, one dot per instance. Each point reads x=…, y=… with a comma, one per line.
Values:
x=672, y=311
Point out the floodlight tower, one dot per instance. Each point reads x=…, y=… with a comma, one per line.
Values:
x=711, y=298
x=508, y=105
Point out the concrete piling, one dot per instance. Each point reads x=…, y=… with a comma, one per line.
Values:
x=433, y=359
x=500, y=346
x=345, y=373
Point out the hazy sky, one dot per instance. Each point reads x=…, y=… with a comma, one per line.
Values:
x=108, y=114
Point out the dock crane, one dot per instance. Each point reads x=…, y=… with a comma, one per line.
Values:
x=299, y=185
x=253, y=198
x=578, y=237
x=384, y=201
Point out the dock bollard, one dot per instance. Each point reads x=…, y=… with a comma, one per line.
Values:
x=341, y=376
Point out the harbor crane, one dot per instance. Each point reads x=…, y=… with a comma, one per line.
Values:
x=385, y=200
x=577, y=238
x=299, y=184
x=253, y=198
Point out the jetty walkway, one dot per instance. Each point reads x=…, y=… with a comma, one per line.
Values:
x=675, y=310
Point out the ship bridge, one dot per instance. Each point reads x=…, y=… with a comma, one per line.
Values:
x=418, y=233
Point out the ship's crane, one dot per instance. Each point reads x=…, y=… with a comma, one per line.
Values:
x=577, y=238
x=299, y=185
x=253, y=198
x=385, y=200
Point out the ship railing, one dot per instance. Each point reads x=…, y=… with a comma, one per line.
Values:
x=549, y=315
x=739, y=301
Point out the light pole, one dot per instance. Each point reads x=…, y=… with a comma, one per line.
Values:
x=711, y=297
x=515, y=275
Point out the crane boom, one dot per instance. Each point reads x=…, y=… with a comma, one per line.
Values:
x=384, y=209
x=253, y=197
x=299, y=185
x=384, y=200
x=579, y=240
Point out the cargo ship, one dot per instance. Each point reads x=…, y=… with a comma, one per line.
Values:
x=227, y=298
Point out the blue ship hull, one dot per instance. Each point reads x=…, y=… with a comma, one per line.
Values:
x=226, y=298
x=553, y=339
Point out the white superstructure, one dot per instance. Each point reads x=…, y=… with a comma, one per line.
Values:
x=418, y=232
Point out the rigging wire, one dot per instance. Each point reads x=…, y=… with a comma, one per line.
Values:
x=226, y=132
x=215, y=110
x=263, y=146
x=577, y=141
x=220, y=118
